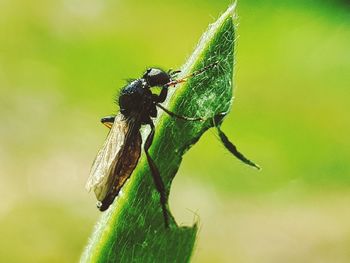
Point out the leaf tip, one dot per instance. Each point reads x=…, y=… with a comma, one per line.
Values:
x=230, y=11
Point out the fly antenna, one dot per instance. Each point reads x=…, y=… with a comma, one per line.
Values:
x=196, y=73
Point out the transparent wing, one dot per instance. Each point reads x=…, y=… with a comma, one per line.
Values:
x=100, y=174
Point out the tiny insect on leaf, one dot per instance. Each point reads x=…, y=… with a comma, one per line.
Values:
x=133, y=228
x=121, y=151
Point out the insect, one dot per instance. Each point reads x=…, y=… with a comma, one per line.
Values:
x=121, y=151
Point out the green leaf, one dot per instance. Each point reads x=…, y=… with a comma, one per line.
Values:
x=133, y=230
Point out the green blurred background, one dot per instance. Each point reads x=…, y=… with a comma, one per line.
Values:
x=63, y=61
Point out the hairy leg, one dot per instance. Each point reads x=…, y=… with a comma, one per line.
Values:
x=156, y=176
x=233, y=149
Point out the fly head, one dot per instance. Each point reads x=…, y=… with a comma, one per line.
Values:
x=156, y=77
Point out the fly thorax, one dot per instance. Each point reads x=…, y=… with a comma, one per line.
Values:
x=132, y=97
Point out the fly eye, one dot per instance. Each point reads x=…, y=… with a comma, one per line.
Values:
x=151, y=72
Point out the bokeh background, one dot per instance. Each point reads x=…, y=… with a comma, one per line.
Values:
x=62, y=63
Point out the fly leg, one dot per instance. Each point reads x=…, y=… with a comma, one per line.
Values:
x=172, y=114
x=233, y=149
x=173, y=73
x=224, y=139
x=108, y=121
x=162, y=95
x=164, y=91
x=228, y=144
x=156, y=175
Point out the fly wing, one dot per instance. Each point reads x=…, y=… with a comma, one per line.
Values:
x=126, y=162
x=114, y=152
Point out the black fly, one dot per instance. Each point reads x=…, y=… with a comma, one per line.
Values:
x=122, y=149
